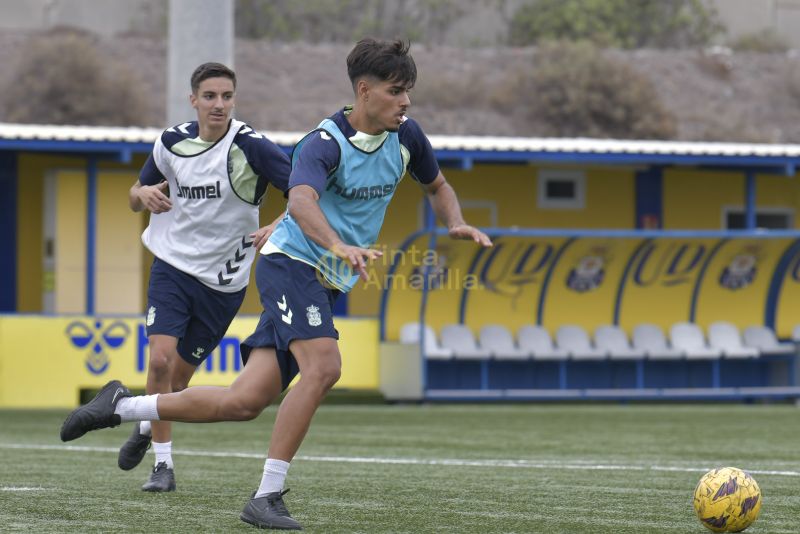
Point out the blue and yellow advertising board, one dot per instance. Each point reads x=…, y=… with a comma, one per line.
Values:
x=45, y=361
x=594, y=281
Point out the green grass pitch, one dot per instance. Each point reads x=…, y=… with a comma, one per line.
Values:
x=606, y=468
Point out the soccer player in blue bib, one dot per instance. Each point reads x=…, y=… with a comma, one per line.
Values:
x=203, y=235
x=343, y=176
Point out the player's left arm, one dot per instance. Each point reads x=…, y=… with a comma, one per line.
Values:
x=423, y=168
x=445, y=205
x=271, y=166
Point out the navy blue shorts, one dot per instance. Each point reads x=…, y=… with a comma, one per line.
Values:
x=181, y=306
x=296, y=306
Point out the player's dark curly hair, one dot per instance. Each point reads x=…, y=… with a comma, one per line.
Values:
x=211, y=70
x=385, y=60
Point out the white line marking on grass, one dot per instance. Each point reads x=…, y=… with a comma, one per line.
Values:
x=19, y=488
x=452, y=462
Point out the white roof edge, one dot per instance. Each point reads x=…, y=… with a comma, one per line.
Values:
x=24, y=132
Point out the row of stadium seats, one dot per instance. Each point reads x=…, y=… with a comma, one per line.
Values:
x=686, y=341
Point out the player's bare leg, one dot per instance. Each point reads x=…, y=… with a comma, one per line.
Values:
x=320, y=367
x=166, y=372
x=255, y=388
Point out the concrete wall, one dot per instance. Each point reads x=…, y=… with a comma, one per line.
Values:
x=743, y=17
x=105, y=17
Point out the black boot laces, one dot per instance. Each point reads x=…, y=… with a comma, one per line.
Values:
x=276, y=504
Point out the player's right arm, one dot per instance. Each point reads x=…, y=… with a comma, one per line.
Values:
x=317, y=160
x=304, y=208
x=149, y=191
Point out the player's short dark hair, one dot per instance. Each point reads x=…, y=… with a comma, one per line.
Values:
x=385, y=60
x=211, y=70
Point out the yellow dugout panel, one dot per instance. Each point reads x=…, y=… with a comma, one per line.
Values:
x=660, y=283
x=592, y=281
x=585, y=282
x=511, y=279
x=737, y=281
x=787, y=295
x=699, y=199
x=119, y=250
x=694, y=199
x=69, y=271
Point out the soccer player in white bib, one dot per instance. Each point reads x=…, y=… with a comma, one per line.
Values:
x=344, y=174
x=203, y=185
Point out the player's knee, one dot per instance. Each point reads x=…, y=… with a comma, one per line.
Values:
x=179, y=385
x=244, y=408
x=159, y=364
x=246, y=412
x=326, y=373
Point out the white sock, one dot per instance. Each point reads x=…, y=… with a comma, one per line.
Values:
x=274, y=476
x=144, y=428
x=163, y=453
x=141, y=408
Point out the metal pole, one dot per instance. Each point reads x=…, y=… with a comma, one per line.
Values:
x=430, y=226
x=91, y=232
x=750, y=200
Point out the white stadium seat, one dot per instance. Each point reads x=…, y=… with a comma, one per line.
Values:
x=650, y=339
x=459, y=339
x=796, y=333
x=576, y=341
x=409, y=335
x=725, y=336
x=614, y=341
x=536, y=341
x=763, y=338
x=689, y=339
x=500, y=343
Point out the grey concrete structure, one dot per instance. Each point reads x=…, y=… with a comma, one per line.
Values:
x=199, y=31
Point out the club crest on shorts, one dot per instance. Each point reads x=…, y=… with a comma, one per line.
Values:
x=151, y=316
x=314, y=317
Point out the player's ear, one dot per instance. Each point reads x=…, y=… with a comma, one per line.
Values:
x=362, y=88
x=193, y=100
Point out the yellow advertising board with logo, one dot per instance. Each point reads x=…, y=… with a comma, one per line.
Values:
x=661, y=281
x=46, y=361
x=737, y=281
x=585, y=282
x=511, y=278
x=593, y=281
x=785, y=294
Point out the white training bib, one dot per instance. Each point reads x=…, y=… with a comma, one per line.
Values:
x=207, y=232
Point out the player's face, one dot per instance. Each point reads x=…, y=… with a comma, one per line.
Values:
x=386, y=104
x=214, y=102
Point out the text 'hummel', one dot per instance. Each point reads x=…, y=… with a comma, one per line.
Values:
x=199, y=191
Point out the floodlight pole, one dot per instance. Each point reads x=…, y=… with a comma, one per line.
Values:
x=199, y=31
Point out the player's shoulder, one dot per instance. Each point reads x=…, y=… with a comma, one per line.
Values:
x=410, y=125
x=175, y=134
x=248, y=138
x=410, y=132
x=319, y=144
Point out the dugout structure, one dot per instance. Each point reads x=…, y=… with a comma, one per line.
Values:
x=578, y=285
